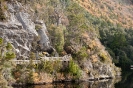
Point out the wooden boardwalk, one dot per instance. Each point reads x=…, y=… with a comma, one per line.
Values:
x=65, y=58
x=131, y=67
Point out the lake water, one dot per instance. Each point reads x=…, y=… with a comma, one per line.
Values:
x=125, y=82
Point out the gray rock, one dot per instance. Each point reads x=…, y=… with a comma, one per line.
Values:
x=10, y=8
x=26, y=22
x=39, y=22
x=20, y=31
x=44, y=40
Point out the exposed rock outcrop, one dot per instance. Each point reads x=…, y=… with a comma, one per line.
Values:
x=19, y=29
x=91, y=58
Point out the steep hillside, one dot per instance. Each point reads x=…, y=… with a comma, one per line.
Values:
x=58, y=28
x=112, y=20
x=116, y=11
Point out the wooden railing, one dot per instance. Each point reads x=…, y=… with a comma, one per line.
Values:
x=131, y=67
x=64, y=58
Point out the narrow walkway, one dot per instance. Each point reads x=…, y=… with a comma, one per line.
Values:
x=131, y=67
x=65, y=58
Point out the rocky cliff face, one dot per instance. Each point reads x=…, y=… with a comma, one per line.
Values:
x=19, y=29
x=76, y=39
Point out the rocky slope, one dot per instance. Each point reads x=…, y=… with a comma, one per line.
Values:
x=69, y=34
x=19, y=29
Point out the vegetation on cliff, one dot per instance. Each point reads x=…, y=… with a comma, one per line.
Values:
x=74, y=31
x=117, y=12
x=6, y=54
x=113, y=20
x=117, y=40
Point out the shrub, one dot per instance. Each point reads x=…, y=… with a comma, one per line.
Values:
x=2, y=15
x=82, y=54
x=10, y=55
x=38, y=27
x=1, y=41
x=104, y=58
x=9, y=46
x=3, y=7
x=49, y=66
x=74, y=69
x=57, y=37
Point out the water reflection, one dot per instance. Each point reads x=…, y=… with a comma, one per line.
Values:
x=127, y=80
x=93, y=84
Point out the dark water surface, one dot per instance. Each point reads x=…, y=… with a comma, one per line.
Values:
x=125, y=82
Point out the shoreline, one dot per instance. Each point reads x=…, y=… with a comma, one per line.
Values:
x=62, y=81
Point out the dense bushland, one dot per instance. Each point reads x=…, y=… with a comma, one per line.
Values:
x=117, y=40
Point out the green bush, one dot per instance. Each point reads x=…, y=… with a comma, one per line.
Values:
x=57, y=37
x=103, y=57
x=9, y=46
x=49, y=66
x=1, y=41
x=10, y=55
x=82, y=54
x=74, y=69
x=38, y=27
